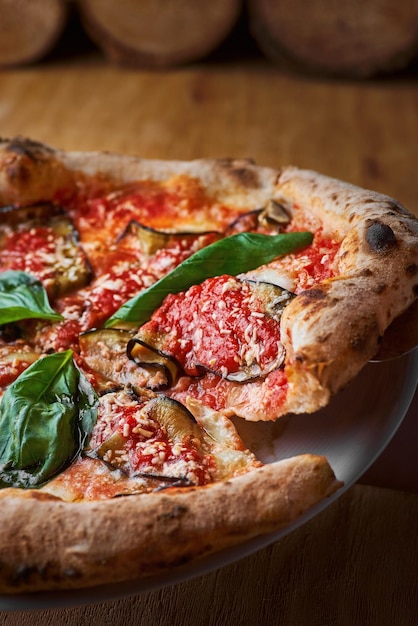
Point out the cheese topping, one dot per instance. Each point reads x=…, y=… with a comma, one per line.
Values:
x=130, y=437
x=222, y=333
x=221, y=325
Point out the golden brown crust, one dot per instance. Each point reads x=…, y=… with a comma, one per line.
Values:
x=29, y=172
x=26, y=168
x=334, y=329
x=80, y=545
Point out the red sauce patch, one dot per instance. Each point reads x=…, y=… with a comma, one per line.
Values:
x=144, y=447
x=317, y=262
x=30, y=251
x=151, y=203
x=218, y=324
x=9, y=371
x=259, y=399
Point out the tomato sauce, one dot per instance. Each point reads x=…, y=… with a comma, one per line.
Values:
x=261, y=398
x=146, y=447
x=159, y=206
x=219, y=325
x=30, y=251
x=317, y=262
x=10, y=371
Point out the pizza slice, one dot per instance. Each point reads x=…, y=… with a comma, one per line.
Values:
x=123, y=485
x=144, y=442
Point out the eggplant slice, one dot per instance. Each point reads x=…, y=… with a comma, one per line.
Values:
x=14, y=359
x=60, y=261
x=119, y=357
x=149, y=359
x=134, y=454
x=274, y=213
x=270, y=301
x=274, y=298
x=273, y=216
x=151, y=240
x=154, y=415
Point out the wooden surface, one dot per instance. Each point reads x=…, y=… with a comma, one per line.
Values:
x=347, y=567
x=357, y=562
x=362, y=132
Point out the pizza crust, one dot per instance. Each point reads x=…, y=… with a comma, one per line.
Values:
x=334, y=329
x=31, y=172
x=49, y=544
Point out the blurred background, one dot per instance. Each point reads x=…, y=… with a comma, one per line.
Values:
x=326, y=85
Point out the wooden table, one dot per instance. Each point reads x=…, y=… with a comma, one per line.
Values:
x=357, y=562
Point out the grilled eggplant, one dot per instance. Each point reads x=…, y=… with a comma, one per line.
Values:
x=119, y=357
x=273, y=216
x=151, y=240
x=154, y=361
x=55, y=256
x=235, y=337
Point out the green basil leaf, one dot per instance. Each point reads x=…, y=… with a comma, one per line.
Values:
x=233, y=255
x=46, y=417
x=23, y=296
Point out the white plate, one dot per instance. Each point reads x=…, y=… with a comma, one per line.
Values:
x=351, y=432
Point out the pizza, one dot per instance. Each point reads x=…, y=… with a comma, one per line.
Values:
x=146, y=308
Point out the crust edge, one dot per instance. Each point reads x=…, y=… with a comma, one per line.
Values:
x=81, y=545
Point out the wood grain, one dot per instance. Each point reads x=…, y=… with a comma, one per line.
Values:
x=29, y=29
x=345, y=38
x=355, y=563
x=364, y=133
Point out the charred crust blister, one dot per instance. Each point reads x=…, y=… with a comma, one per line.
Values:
x=18, y=172
x=312, y=300
x=312, y=295
x=246, y=176
x=176, y=512
x=27, y=147
x=24, y=574
x=411, y=269
x=71, y=572
x=366, y=272
x=380, y=237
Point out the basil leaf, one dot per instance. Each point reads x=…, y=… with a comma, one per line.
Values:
x=46, y=417
x=233, y=255
x=23, y=296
